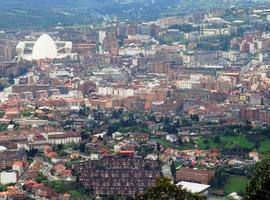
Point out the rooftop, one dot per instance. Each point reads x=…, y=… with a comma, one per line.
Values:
x=193, y=187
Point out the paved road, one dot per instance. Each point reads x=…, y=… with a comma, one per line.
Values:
x=166, y=170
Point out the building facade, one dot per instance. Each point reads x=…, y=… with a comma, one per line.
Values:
x=196, y=176
x=118, y=175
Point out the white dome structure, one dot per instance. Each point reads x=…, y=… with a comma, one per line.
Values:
x=44, y=48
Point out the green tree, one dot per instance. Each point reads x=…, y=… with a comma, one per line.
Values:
x=165, y=190
x=41, y=178
x=26, y=113
x=220, y=178
x=173, y=169
x=2, y=87
x=259, y=186
x=82, y=147
x=194, y=118
x=3, y=188
x=2, y=112
x=11, y=79
x=158, y=147
x=186, y=122
x=69, y=164
x=217, y=139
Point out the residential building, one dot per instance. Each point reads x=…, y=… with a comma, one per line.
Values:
x=195, y=175
x=118, y=175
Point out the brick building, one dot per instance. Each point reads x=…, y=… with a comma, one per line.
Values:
x=196, y=176
x=8, y=158
x=118, y=175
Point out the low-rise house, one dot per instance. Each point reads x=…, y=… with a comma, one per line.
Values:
x=55, y=138
x=19, y=167
x=254, y=155
x=117, y=136
x=59, y=168
x=140, y=137
x=12, y=193
x=152, y=156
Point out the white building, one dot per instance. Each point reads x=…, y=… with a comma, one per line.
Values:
x=131, y=50
x=234, y=196
x=194, y=187
x=56, y=138
x=172, y=138
x=121, y=92
x=63, y=138
x=7, y=177
x=216, y=31
x=186, y=84
x=101, y=36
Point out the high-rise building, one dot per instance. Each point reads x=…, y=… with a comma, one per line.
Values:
x=118, y=175
x=110, y=43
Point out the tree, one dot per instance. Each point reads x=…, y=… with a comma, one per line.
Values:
x=2, y=112
x=259, y=185
x=11, y=79
x=220, y=178
x=165, y=190
x=32, y=153
x=3, y=188
x=82, y=147
x=186, y=122
x=58, y=186
x=2, y=87
x=26, y=113
x=84, y=135
x=41, y=178
x=194, y=117
x=158, y=147
x=69, y=164
x=88, y=87
x=112, y=128
x=173, y=169
x=217, y=139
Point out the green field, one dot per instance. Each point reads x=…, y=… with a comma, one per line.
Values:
x=46, y=13
x=264, y=146
x=211, y=144
x=233, y=141
x=228, y=142
x=240, y=140
x=78, y=195
x=235, y=184
x=165, y=143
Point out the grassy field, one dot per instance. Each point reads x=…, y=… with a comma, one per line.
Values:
x=233, y=141
x=165, y=143
x=211, y=144
x=78, y=195
x=226, y=141
x=235, y=184
x=264, y=146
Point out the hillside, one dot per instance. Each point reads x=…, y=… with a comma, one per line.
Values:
x=43, y=13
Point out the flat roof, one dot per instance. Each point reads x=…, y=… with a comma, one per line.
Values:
x=193, y=187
